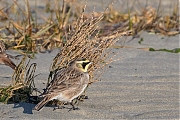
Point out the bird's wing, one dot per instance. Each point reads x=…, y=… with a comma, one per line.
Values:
x=63, y=80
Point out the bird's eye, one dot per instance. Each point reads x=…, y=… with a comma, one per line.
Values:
x=79, y=65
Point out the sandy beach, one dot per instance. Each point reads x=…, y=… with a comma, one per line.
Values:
x=141, y=85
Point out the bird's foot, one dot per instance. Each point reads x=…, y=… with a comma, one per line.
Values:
x=73, y=107
x=58, y=107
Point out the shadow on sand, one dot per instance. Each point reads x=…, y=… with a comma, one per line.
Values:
x=28, y=107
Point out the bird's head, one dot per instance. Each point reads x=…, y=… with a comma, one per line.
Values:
x=81, y=64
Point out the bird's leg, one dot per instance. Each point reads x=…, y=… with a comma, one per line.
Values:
x=73, y=107
x=58, y=106
x=82, y=97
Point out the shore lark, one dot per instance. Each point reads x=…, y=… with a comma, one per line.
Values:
x=68, y=83
x=4, y=58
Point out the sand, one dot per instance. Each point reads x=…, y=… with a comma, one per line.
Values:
x=141, y=85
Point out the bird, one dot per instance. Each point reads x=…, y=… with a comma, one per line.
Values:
x=4, y=58
x=68, y=83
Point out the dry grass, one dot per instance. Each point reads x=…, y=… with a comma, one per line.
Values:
x=27, y=36
x=81, y=44
x=22, y=83
x=142, y=19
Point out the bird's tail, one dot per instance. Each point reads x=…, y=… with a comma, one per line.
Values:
x=41, y=104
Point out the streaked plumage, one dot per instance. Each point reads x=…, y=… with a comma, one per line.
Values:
x=4, y=58
x=68, y=83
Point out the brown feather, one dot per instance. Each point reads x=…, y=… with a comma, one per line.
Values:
x=41, y=104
